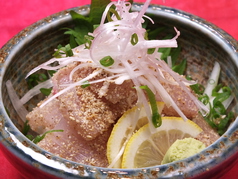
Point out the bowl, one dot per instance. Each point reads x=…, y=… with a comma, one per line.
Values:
x=202, y=42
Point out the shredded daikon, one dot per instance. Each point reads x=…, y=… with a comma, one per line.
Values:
x=16, y=102
x=213, y=79
x=130, y=60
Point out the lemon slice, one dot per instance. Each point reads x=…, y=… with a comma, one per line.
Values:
x=131, y=121
x=145, y=149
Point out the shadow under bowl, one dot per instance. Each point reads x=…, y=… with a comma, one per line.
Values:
x=202, y=44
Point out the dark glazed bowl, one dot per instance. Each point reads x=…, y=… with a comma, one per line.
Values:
x=202, y=44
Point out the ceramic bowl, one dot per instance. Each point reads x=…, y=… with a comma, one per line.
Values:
x=202, y=42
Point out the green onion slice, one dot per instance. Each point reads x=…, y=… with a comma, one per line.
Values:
x=107, y=61
x=113, y=11
x=198, y=88
x=156, y=117
x=38, y=138
x=85, y=84
x=134, y=39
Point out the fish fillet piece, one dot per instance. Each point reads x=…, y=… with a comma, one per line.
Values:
x=89, y=113
x=71, y=146
x=183, y=101
x=44, y=119
x=208, y=135
x=181, y=98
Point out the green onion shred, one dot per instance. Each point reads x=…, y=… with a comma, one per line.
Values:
x=107, y=61
x=156, y=117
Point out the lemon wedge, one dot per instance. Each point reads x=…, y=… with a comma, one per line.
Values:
x=131, y=121
x=145, y=149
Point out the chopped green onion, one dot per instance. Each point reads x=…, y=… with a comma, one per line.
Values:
x=218, y=117
x=224, y=123
x=134, y=39
x=151, y=50
x=113, y=11
x=218, y=112
x=218, y=108
x=38, y=138
x=213, y=79
x=221, y=96
x=85, y=84
x=107, y=61
x=198, y=88
x=156, y=117
x=204, y=99
x=88, y=41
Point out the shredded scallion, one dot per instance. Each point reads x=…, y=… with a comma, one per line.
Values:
x=156, y=117
x=85, y=84
x=107, y=61
x=134, y=39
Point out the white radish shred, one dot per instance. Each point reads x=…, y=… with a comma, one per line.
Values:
x=81, y=82
x=16, y=102
x=36, y=90
x=213, y=79
x=169, y=61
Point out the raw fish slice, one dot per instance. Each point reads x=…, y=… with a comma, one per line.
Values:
x=42, y=119
x=89, y=115
x=182, y=99
x=69, y=145
x=208, y=135
x=45, y=118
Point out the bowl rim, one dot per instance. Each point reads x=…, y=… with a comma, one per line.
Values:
x=9, y=133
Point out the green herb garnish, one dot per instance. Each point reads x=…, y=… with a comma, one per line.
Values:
x=46, y=91
x=66, y=50
x=218, y=117
x=35, y=79
x=181, y=67
x=84, y=25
